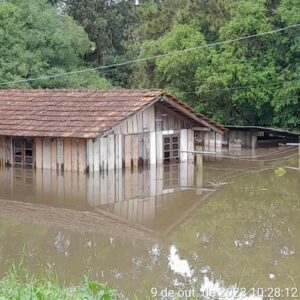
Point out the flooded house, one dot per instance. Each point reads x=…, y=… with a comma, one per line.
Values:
x=96, y=130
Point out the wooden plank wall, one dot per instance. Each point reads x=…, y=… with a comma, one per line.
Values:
x=111, y=153
x=2, y=151
x=46, y=153
x=219, y=138
x=39, y=153
x=190, y=144
x=143, y=136
x=53, y=154
x=152, y=148
x=68, y=155
x=159, y=147
x=61, y=154
x=167, y=119
x=103, y=153
x=6, y=155
x=148, y=120
x=106, y=153
x=183, y=144
x=117, y=150
x=82, y=156
x=212, y=141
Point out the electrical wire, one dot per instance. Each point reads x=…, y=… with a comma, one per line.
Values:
x=252, y=160
x=267, y=85
x=269, y=154
x=237, y=172
x=241, y=87
x=152, y=57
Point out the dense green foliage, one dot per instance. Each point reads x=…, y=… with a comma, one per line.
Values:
x=250, y=82
x=35, y=41
x=246, y=82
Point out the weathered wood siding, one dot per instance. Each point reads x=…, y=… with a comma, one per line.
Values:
x=60, y=154
x=2, y=151
x=55, y=153
x=157, y=117
x=143, y=134
x=5, y=150
x=106, y=153
x=167, y=119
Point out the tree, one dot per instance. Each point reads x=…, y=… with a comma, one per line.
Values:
x=156, y=18
x=36, y=40
x=238, y=74
x=286, y=100
x=175, y=73
x=109, y=25
x=237, y=83
x=12, y=44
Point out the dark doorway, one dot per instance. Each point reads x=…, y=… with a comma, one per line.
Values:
x=23, y=152
x=171, y=148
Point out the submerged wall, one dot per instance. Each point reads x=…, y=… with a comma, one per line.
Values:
x=63, y=154
x=5, y=150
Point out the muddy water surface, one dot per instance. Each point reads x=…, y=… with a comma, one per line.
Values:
x=225, y=222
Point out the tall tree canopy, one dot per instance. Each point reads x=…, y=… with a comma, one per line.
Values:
x=36, y=40
x=109, y=25
x=249, y=82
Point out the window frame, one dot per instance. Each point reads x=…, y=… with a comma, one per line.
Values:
x=21, y=160
x=171, y=158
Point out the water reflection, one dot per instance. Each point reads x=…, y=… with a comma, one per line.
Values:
x=178, y=265
x=141, y=196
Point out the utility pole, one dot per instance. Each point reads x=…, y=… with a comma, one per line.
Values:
x=296, y=144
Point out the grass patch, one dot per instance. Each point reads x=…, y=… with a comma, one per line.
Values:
x=17, y=284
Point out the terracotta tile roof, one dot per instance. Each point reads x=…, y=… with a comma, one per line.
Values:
x=70, y=113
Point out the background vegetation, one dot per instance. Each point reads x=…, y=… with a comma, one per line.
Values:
x=250, y=82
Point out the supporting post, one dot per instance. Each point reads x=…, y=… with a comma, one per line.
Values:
x=153, y=148
x=183, y=145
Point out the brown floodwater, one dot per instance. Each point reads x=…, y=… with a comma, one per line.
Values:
x=221, y=223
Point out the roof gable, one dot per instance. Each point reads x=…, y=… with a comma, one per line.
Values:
x=72, y=113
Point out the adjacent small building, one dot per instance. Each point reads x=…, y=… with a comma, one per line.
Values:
x=96, y=130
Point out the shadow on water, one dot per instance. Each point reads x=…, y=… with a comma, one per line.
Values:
x=220, y=223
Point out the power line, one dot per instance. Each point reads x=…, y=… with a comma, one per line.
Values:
x=269, y=154
x=252, y=160
x=175, y=89
x=153, y=57
x=239, y=88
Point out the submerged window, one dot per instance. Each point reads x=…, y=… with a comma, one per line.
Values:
x=23, y=153
x=171, y=148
